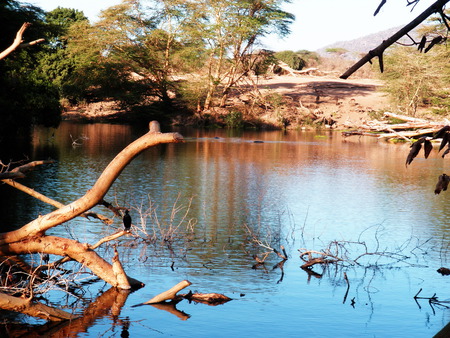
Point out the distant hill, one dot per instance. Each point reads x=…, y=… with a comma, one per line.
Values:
x=361, y=45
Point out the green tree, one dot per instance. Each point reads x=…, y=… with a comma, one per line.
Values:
x=231, y=30
x=54, y=60
x=132, y=52
x=291, y=58
x=418, y=79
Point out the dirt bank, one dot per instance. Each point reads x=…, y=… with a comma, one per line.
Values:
x=347, y=102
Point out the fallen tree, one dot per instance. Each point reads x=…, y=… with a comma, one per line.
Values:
x=409, y=128
x=32, y=239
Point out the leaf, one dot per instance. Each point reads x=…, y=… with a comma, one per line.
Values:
x=428, y=147
x=436, y=40
x=442, y=183
x=415, y=148
x=422, y=43
x=441, y=132
x=444, y=141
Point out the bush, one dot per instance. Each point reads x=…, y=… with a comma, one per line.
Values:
x=292, y=59
x=418, y=80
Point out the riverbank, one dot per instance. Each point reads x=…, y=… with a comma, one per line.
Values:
x=276, y=101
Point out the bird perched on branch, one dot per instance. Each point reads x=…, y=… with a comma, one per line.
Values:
x=127, y=221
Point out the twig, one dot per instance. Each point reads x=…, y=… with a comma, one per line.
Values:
x=348, y=287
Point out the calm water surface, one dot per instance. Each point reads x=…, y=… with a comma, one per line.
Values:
x=302, y=190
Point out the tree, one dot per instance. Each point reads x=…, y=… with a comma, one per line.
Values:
x=291, y=58
x=54, y=61
x=231, y=31
x=417, y=80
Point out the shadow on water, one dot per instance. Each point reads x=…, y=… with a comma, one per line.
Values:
x=203, y=211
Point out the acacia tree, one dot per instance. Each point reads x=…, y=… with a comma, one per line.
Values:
x=133, y=51
x=231, y=31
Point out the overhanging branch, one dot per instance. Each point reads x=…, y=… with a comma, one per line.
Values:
x=378, y=51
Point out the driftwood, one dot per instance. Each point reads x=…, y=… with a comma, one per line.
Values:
x=293, y=72
x=173, y=296
x=26, y=306
x=170, y=294
x=411, y=128
x=207, y=298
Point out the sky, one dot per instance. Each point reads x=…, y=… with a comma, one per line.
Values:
x=318, y=23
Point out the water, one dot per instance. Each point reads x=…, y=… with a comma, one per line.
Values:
x=302, y=190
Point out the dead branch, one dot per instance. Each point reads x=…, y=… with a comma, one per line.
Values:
x=324, y=258
x=378, y=51
x=19, y=172
x=18, y=41
x=119, y=272
x=412, y=128
x=50, y=201
x=348, y=287
x=108, y=238
x=207, y=298
x=170, y=294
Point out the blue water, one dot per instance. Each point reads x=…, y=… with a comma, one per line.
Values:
x=299, y=189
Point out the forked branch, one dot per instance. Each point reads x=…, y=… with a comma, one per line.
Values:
x=18, y=41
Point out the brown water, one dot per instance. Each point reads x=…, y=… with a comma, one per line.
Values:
x=297, y=189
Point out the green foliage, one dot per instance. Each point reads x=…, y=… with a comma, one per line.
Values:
x=234, y=119
x=310, y=58
x=418, y=80
x=338, y=51
x=292, y=59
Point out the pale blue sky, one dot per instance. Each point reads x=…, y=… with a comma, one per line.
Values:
x=318, y=22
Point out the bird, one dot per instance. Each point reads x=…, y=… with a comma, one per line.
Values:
x=127, y=221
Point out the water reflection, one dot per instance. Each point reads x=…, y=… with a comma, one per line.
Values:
x=298, y=189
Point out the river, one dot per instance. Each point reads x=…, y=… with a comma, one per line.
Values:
x=223, y=197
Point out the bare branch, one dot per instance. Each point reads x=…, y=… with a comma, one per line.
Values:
x=18, y=41
x=378, y=51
